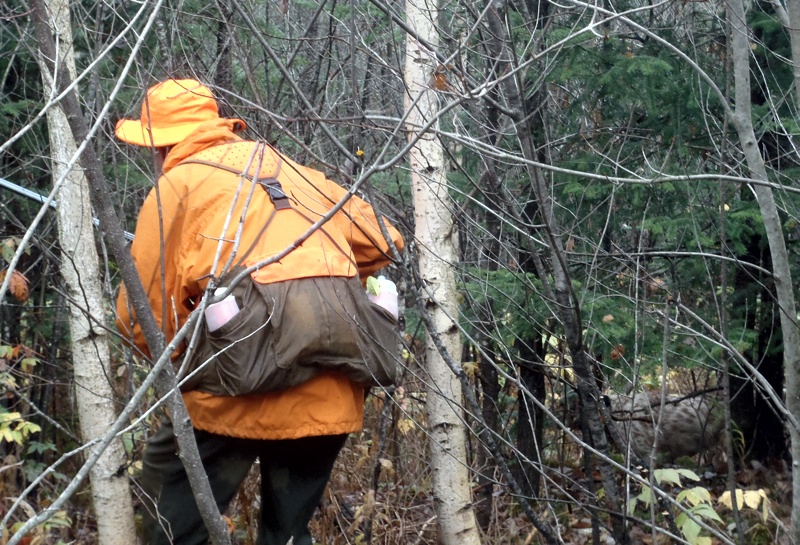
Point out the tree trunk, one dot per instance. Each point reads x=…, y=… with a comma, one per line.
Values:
x=80, y=267
x=489, y=380
x=530, y=422
x=490, y=392
x=761, y=426
x=165, y=381
x=793, y=14
x=742, y=119
x=435, y=233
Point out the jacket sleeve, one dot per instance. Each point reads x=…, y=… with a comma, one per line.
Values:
x=159, y=277
x=360, y=226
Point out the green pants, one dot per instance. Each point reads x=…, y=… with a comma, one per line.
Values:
x=294, y=474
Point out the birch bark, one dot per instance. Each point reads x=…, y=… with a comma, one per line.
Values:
x=436, y=236
x=89, y=342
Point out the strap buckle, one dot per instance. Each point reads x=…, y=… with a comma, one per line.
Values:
x=276, y=193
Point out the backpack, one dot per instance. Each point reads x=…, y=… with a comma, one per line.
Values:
x=288, y=332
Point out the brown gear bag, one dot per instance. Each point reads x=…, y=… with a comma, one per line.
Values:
x=288, y=332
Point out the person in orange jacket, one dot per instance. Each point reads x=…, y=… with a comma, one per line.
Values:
x=188, y=233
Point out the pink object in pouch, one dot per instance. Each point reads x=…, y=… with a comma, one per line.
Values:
x=387, y=298
x=219, y=314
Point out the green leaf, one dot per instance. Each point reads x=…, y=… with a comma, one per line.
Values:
x=645, y=496
x=706, y=511
x=667, y=475
x=39, y=447
x=6, y=435
x=27, y=428
x=690, y=529
x=373, y=286
x=8, y=250
x=28, y=364
x=9, y=417
x=688, y=473
x=695, y=495
x=60, y=519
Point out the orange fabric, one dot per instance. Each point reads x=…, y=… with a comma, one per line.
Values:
x=211, y=133
x=172, y=110
x=326, y=405
x=195, y=200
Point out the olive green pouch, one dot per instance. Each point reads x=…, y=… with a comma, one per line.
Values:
x=288, y=332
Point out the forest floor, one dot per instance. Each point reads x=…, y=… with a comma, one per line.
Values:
x=400, y=510
x=380, y=493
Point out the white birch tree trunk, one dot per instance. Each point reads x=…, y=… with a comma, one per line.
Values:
x=436, y=238
x=784, y=290
x=790, y=20
x=80, y=268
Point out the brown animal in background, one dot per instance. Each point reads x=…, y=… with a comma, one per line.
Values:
x=687, y=425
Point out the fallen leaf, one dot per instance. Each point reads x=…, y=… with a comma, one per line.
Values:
x=18, y=286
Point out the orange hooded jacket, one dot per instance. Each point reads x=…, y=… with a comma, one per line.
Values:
x=196, y=200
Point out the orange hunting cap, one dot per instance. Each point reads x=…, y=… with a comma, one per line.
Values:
x=172, y=110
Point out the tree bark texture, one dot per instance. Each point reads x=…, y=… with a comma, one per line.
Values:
x=80, y=267
x=435, y=233
x=489, y=377
x=739, y=44
x=761, y=426
x=490, y=392
x=530, y=420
